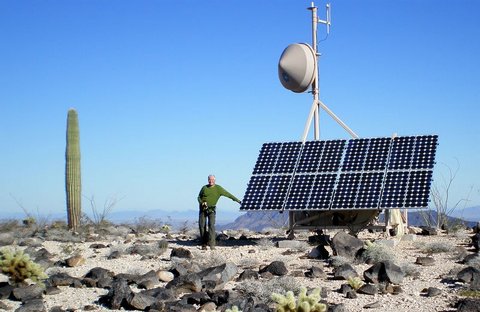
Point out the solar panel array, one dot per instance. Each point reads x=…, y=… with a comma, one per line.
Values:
x=374, y=173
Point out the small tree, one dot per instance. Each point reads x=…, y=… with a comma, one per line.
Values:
x=440, y=195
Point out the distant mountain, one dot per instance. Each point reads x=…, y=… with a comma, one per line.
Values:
x=469, y=213
x=260, y=220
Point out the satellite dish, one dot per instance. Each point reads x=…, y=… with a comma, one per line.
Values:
x=296, y=68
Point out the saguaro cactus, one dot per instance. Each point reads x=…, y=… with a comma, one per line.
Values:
x=73, y=183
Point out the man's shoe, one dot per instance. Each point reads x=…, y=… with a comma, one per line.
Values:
x=204, y=247
x=212, y=247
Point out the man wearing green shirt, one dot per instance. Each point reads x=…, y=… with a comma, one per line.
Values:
x=207, y=200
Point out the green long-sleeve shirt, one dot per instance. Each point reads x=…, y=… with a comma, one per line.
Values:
x=211, y=194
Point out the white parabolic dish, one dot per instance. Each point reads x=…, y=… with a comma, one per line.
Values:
x=296, y=67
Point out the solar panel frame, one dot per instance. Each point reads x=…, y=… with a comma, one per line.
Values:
x=372, y=173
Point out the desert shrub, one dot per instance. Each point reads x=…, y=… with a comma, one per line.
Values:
x=377, y=253
x=263, y=289
x=8, y=225
x=18, y=267
x=265, y=243
x=355, y=282
x=70, y=249
x=249, y=263
x=469, y=293
x=304, y=302
x=233, y=309
x=410, y=269
x=338, y=261
x=213, y=260
x=437, y=247
x=145, y=224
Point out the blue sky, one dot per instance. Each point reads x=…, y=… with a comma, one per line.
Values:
x=168, y=92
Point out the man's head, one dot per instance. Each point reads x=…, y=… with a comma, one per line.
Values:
x=211, y=180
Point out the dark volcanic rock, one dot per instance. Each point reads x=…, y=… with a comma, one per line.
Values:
x=346, y=245
x=384, y=272
x=277, y=268
x=63, y=279
x=344, y=271
x=118, y=296
x=467, y=275
x=315, y=272
x=181, y=253
x=368, y=289
x=27, y=293
x=5, y=290
x=34, y=305
x=468, y=305
x=476, y=241
x=425, y=261
x=248, y=274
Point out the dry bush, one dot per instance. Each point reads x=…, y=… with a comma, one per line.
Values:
x=265, y=243
x=437, y=247
x=8, y=225
x=410, y=269
x=263, y=289
x=213, y=259
x=338, y=261
x=249, y=263
x=377, y=253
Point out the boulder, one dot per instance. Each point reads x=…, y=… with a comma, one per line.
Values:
x=476, y=241
x=34, y=305
x=385, y=271
x=346, y=245
x=344, y=272
x=425, y=261
x=6, y=239
x=181, y=253
x=27, y=293
x=277, y=268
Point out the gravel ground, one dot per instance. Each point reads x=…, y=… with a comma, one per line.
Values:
x=264, y=252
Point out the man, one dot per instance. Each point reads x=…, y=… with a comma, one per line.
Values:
x=207, y=200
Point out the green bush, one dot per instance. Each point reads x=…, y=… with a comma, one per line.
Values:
x=19, y=267
x=377, y=253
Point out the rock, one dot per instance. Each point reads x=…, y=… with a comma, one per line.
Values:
x=27, y=293
x=337, y=308
x=277, y=268
x=372, y=305
x=5, y=290
x=4, y=306
x=345, y=272
x=476, y=228
x=433, y=291
x=476, y=242
x=346, y=245
x=165, y=276
x=385, y=271
x=114, y=255
x=368, y=289
x=292, y=244
x=345, y=288
x=63, y=279
x=319, y=252
x=34, y=305
x=468, y=305
x=98, y=273
x=208, y=307
x=467, y=275
x=320, y=239
x=31, y=242
x=425, y=261
x=316, y=272
x=426, y=230
x=97, y=246
x=118, y=296
x=161, y=293
x=6, y=239
x=181, y=253
x=351, y=294
x=75, y=261
x=248, y=274
x=142, y=301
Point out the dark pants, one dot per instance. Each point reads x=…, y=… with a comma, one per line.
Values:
x=207, y=234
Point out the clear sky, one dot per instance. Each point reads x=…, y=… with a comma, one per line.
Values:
x=168, y=92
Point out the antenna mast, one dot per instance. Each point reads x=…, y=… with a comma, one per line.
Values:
x=315, y=109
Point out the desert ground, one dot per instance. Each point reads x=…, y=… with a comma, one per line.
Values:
x=153, y=259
